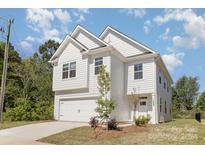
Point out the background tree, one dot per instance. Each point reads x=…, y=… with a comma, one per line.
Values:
x=12, y=83
x=185, y=92
x=31, y=86
x=105, y=105
x=200, y=105
x=47, y=49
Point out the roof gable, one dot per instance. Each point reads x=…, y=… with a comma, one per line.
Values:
x=126, y=45
x=87, y=38
x=63, y=45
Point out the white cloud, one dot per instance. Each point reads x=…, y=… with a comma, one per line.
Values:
x=49, y=24
x=188, y=42
x=41, y=20
x=193, y=27
x=147, y=26
x=165, y=36
x=52, y=34
x=27, y=47
x=62, y=15
x=173, y=60
x=80, y=13
x=137, y=13
x=40, y=17
x=30, y=39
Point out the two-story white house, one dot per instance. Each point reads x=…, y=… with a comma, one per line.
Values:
x=134, y=69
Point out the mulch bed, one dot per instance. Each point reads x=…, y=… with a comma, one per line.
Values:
x=102, y=133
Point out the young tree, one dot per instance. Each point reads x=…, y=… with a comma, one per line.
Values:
x=105, y=105
x=186, y=90
x=135, y=100
x=200, y=105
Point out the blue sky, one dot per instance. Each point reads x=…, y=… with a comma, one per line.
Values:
x=177, y=34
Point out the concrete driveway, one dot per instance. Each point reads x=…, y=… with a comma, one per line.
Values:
x=28, y=134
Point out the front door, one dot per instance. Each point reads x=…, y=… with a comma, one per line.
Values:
x=143, y=110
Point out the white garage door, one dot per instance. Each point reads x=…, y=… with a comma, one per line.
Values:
x=77, y=110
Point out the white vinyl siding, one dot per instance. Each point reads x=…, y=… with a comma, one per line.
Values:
x=165, y=93
x=80, y=69
x=98, y=64
x=87, y=40
x=72, y=73
x=122, y=109
x=145, y=85
x=138, y=71
x=65, y=71
x=69, y=70
x=123, y=46
x=160, y=105
x=92, y=77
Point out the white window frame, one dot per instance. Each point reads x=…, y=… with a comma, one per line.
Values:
x=160, y=79
x=138, y=71
x=65, y=71
x=160, y=105
x=72, y=69
x=165, y=107
x=97, y=67
x=69, y=70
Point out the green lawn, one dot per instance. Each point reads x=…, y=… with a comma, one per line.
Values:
x=9, y=124
x=180, y=131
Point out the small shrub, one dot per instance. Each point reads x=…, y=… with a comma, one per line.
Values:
x=93, y=122
x=112, y=124
x=142, y=120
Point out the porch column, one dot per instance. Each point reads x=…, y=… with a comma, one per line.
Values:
x=154, y=108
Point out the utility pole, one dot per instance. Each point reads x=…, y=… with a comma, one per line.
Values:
x=5, y=65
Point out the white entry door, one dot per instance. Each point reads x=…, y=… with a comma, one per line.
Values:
x=143, y=108
x=77, y=110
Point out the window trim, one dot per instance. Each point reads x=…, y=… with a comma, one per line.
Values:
x=98, y=66
x=138, y=71
x=69, y=70
x=72, y=69
x=160, y=105
x=160, y=79
x=64, y=71
x=165, y=107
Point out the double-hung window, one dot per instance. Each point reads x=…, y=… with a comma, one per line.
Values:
x=65, y=71
x=160, y=79
x=160, y=105
x=72, y=69
x=69, y=70
x=98, y=64
x=138, y=71
x=165, y=107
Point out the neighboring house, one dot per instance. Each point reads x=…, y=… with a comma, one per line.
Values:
x=134, y=68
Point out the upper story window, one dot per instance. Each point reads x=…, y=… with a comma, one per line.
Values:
x=72, y=69
x=69, y=70
x=138, y=71
x=98, y=64
x=165, y=107
x=164, y=85
x=160, y=105
x=160, y=79
x=65, y=71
